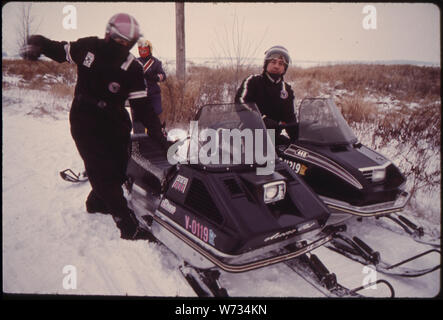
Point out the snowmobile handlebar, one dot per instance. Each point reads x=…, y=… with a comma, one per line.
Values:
x=286, y=125
x=137, y=137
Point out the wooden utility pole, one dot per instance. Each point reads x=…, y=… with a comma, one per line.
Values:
x=180, y=40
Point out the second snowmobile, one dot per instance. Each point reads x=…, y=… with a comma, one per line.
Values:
x=353, y=180
x=350, y=177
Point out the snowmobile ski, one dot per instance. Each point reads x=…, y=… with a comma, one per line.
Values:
x=70, y=176
x=312, y=270
x=204, y=282
x=409, y=228
x=356, y=249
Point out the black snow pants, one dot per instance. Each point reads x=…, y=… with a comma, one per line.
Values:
x=102, y=137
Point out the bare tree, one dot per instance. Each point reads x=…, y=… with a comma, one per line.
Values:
x=27, y=24
x=236, y=47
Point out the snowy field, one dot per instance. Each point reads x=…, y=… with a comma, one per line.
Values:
x=46, y=228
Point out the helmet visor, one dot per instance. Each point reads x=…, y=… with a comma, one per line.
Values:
x=278, y=56
x=119, y=38
x=121, y=41
x=278, y=53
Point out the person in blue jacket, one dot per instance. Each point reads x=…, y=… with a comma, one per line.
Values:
x=153, y=74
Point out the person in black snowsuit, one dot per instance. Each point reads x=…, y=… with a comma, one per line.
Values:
x=274, y=97
x=108, y=75
x=153, y=73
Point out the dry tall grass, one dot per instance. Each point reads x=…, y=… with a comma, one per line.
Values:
x=203, y=85
x=420, y=130
x=405, y=82
x=356, y=109
x=59, y=78
x=32, y=71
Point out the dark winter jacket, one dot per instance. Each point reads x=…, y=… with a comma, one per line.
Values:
x=151, y=68
x=107, y=77
x=275, y=99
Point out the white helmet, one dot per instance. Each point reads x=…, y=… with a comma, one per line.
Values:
x=276, y=52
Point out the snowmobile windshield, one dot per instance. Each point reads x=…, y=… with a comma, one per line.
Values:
x=229, y=135
x=321, y=122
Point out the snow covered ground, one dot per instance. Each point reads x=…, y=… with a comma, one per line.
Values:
x=46, y=227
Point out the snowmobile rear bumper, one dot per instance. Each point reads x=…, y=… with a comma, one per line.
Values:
x=341, y=207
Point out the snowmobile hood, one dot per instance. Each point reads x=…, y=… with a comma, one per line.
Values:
x=351, y=157
x=233, y=207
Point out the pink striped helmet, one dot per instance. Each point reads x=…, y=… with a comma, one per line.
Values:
x=123, y=28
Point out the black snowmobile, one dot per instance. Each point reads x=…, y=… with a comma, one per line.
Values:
x=227, y=216
x=352, y=179
x=327, y=153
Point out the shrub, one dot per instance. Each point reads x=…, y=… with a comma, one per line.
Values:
x=203, y=85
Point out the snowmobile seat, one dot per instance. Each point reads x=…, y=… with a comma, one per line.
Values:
x=148, y=153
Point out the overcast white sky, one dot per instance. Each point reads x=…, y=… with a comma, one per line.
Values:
x=310, y=31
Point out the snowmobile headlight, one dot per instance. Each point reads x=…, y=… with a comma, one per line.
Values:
x=271, y=192
x=378, y=175
x=274, y=191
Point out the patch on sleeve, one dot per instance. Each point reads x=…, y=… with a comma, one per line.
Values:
x=89, y=59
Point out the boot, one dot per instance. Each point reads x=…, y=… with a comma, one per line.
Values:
x=95, y=204
x=130, y=230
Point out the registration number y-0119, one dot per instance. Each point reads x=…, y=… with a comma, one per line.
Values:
x=298, y=168
x=199, y=230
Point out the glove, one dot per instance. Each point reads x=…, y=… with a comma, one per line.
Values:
x=270, y=124
x=30, y=52
x=166, y=144
x=33, y=49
